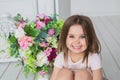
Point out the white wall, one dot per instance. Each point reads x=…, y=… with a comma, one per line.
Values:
x=46, y=6
x=64, y=8
x=95, y=7
x=27, y=8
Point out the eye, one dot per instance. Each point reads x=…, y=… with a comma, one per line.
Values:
x=71, y=36
x=82, y=36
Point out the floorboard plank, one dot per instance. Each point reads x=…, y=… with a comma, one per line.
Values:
x=3, y=68
x=22, y=76
x=12, y=72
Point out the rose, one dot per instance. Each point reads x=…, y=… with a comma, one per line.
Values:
x=25, y=41
x=41, y=59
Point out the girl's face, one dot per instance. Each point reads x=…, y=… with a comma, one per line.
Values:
x=76, y=39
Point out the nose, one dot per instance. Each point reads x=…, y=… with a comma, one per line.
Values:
x=77, y=40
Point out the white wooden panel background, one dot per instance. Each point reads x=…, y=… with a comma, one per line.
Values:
x=108, y=32
x=25, y=7
x=95, y=7
x=46, y=6
x=28, y=8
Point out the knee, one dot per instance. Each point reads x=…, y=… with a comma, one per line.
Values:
x=83, y=75
x=65, y=74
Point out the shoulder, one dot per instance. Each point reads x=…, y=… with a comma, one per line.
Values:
x=60, y=55
x=59, y=60
x=94, y=56
x=94, y=61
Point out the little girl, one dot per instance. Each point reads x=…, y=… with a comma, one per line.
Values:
x=79, y=50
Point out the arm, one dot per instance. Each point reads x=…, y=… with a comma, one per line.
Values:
x=55, y=73
x=97, y=74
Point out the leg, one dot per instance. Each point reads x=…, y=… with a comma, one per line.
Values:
x=65, y=74
x=83, y=74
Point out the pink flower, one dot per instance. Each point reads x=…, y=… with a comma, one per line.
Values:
x=21, y=25
x=24, y=41
x=51, y=32
x=44, y=44
x=41, y=72
x=48, y=51
x=44, y=18
x=40, y=24
x=41, y=16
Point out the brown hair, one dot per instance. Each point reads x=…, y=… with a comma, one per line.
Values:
x=93, y=44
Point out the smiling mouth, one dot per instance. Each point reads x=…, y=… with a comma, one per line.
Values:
x=77, y=47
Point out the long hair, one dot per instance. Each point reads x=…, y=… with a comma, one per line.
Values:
x=93, y=44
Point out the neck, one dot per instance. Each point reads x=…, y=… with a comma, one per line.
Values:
x=76, y=57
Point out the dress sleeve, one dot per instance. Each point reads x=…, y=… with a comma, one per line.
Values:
x=59, y=61
x=95, y=61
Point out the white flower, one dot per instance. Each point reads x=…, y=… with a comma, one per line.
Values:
x=22, y=52
x=53, y=41
x=19, y=32
x=41, y=59
x=49, y=39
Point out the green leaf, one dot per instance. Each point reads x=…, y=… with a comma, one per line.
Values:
x=18, y=17
x=12, y=39
x=14, y=46
x=31, y=31
x=32, y=24
x=42, y=35
x=14, y=52
x=35, y=49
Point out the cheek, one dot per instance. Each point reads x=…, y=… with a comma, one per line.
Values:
x=85, y=43
x=68, y=40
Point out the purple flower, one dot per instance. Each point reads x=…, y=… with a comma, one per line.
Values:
x=44, y=18
x=22, y=21
x=53, y=55
x=47, y=19
x=40, y=24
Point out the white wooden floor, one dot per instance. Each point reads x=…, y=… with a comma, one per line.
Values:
x=10, y=71
x=107, y=29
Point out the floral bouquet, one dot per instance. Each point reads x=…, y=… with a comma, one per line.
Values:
x=35, y=42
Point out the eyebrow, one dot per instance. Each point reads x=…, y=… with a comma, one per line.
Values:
x=75, y=34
